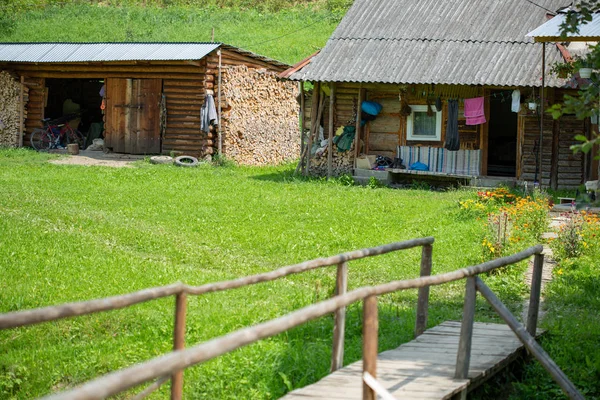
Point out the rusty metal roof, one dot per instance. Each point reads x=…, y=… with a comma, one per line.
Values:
x=90, y=52
x=463, y=42
x=550, y=30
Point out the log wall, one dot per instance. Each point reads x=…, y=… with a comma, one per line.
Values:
x=569, y=174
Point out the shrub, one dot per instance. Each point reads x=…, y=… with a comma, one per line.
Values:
x=578, y=236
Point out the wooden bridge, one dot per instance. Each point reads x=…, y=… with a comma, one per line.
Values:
x=443, y=362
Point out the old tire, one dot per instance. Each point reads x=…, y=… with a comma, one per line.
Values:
x=161, y=160
x=186, y=161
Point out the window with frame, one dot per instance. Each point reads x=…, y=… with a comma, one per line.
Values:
x=421, y=126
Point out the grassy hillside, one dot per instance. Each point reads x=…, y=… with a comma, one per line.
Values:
x=282, y=30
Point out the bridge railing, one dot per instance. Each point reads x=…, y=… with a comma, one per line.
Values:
x=172, y=364
x=181, y=291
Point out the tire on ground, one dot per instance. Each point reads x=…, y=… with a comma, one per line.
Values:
x=186, y=161
x=161, y=160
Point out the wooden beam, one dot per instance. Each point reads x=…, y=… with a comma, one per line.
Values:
x=314, y=108
x=302, y=116
x=339, y=328
x=554, y=156
x=529, y=341
x=331, y=128
x=534, y=295
x=463, y=356
x=370, y=342
x=178, y=343
x=21, y=110
x=361, y=94
x=423, y=301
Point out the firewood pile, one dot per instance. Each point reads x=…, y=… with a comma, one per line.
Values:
x=9, y=109
x=342, y=163
x=260, y=117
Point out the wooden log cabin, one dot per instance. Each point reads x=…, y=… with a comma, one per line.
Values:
x=408, y=55
x=152, y=95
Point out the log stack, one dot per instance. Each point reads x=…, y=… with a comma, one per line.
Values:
x=342, y=163
x=10, y=90
x=259, y=117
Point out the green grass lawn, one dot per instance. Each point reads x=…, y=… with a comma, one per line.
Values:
x=70, y=233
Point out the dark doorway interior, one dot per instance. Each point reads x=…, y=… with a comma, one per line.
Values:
x=84, y=93
x=502, y=139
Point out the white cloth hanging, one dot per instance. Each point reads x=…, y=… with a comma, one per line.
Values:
x=516, y=101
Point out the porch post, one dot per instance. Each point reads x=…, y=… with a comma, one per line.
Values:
x=331, y=128
x=541, y=140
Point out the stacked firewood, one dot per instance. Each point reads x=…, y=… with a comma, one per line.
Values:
x=260, y=117
x=342, y=163
x=9, y=109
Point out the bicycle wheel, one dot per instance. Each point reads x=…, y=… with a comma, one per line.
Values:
x=74, y=136
x=41, y=140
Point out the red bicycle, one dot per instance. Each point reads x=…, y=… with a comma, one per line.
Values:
x=56, y=134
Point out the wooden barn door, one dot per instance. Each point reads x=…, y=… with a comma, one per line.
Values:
x=132, y=115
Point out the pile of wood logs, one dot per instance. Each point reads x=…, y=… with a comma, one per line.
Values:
x=342, y=163
x=10, y=91
x=260, y=117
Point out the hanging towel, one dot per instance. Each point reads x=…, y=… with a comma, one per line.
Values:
x=452, y=139
x=516, y=101
x=474, y=111
x=208, y=113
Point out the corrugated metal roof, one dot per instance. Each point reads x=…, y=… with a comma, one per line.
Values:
x=89, y=52
x=551, y=29
x=463, y=42
x=425, y=61
x=86, y=52
x=469, y=20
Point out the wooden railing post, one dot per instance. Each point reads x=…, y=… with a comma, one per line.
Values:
x=339, y=328
x=534, y=296
x=370, y=332
x=179, y=343
x=463, y=357
x=423, y=302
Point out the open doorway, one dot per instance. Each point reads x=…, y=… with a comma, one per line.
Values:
x=502, y=136
x=77, y=96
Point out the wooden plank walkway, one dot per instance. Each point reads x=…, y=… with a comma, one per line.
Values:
x=424, y=368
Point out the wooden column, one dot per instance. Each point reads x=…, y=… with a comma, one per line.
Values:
x=463, y=358
x=423, y=302
x=331, y=127
x=179, y=343
x=341, y=286
x=21, y=110
x=554, y=156
x=484, y=135
x=534, y=296
x=370, y=332
x=302, y=112
x=361, y=94
x=314, y=124
x=542, y=112
x=219, y=129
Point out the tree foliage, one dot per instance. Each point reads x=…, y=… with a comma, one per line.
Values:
x=587, y=102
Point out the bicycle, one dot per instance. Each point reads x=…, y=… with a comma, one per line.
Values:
x=56, y=134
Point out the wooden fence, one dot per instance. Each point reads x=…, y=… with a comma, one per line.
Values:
x=172, y=365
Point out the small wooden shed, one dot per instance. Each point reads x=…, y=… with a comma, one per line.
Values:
x=148, y=96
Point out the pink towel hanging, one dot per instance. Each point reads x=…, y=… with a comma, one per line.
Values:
x=474, y=111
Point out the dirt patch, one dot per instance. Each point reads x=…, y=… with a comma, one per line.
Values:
x=98, y=158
